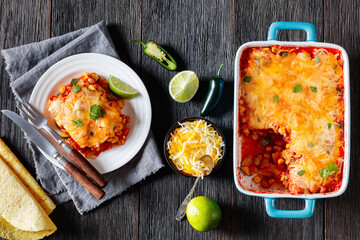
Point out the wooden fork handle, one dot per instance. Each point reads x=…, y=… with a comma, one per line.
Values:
x=83, y=180
x=87, y=168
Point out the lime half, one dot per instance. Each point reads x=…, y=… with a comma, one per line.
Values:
x=121, y=89
x=203, y=213
x=183, y=86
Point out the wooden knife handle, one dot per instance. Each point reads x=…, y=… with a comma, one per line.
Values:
x=87, y=168
x=83, y=180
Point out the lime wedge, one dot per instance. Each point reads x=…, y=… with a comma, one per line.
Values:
x=120, y=88
x=183, y=86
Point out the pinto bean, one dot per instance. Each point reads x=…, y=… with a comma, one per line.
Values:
x=269, y=148
x=264, y=163
x=254, y=136
x=246, y=131
x=278, y=149
x=279, y=143
x=257, y=160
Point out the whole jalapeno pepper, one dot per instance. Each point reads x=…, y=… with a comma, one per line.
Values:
x=156, y=52
x=215, y=90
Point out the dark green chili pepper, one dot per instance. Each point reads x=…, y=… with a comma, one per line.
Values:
x=216, y=87
x=156, y=52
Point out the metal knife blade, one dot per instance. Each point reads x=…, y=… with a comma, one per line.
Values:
x=40, y=141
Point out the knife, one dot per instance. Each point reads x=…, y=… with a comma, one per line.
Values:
x=42, y=143
x=40, y=121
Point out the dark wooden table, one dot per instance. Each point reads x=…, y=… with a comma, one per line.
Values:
x=201, y=35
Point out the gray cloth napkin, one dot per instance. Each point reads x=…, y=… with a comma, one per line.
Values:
x=25, y=65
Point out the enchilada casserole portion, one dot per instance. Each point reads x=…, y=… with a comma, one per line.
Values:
x=89, y=115
x=291, y=117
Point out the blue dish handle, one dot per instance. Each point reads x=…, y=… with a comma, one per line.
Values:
x=309, y=28
x=307, y=212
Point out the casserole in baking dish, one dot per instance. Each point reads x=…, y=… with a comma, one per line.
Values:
x=292, y=120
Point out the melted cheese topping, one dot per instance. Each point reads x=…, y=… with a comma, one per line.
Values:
x=76, y=106
x=299, y=96
x=190, y=142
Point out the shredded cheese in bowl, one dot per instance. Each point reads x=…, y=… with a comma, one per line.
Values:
x=192, y=140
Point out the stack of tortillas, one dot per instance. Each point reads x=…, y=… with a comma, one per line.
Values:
x=24, y=206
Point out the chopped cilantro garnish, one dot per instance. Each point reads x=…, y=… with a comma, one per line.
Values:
x=74, y=81
x=313, y=89
x=265, y=142
x=276, y=98
x=311, y=144
x=58, y=94
x=246, y=79
x=317, y=59
x=331, y=169
x=77, y=123
x=297, y=88
x=300, y=173
x=76, y=88
x=340, y=124
x=96, y=112
x=329, y=125
x=338, y=89
x=91, y=133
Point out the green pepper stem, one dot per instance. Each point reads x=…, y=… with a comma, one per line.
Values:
x=138, y=41
x=218, y=74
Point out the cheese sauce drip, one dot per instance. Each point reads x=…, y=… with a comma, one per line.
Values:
x=190, y=142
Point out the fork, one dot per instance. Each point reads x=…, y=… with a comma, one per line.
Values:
x=39, y=121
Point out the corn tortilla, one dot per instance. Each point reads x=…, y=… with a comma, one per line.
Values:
x=22, y=215
x=25, y=177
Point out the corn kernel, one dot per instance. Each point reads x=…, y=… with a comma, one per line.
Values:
x=282, y=177
x=91, y=88
x=95, y=76
x=62, y=89
x=257, y=179
x=246, y=170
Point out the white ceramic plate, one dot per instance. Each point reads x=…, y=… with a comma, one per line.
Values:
x=138, y=108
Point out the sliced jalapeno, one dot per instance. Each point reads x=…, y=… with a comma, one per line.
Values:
x=156, y=52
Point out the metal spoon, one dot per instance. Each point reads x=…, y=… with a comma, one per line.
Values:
x=207, y=160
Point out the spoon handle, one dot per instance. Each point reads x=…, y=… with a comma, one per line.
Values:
x=182, y=209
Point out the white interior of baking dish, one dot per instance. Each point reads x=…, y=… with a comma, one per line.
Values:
x=244, y=183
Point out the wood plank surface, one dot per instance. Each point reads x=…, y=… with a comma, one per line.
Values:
x=17, y=27
x=342, y=212
x=200, y=35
